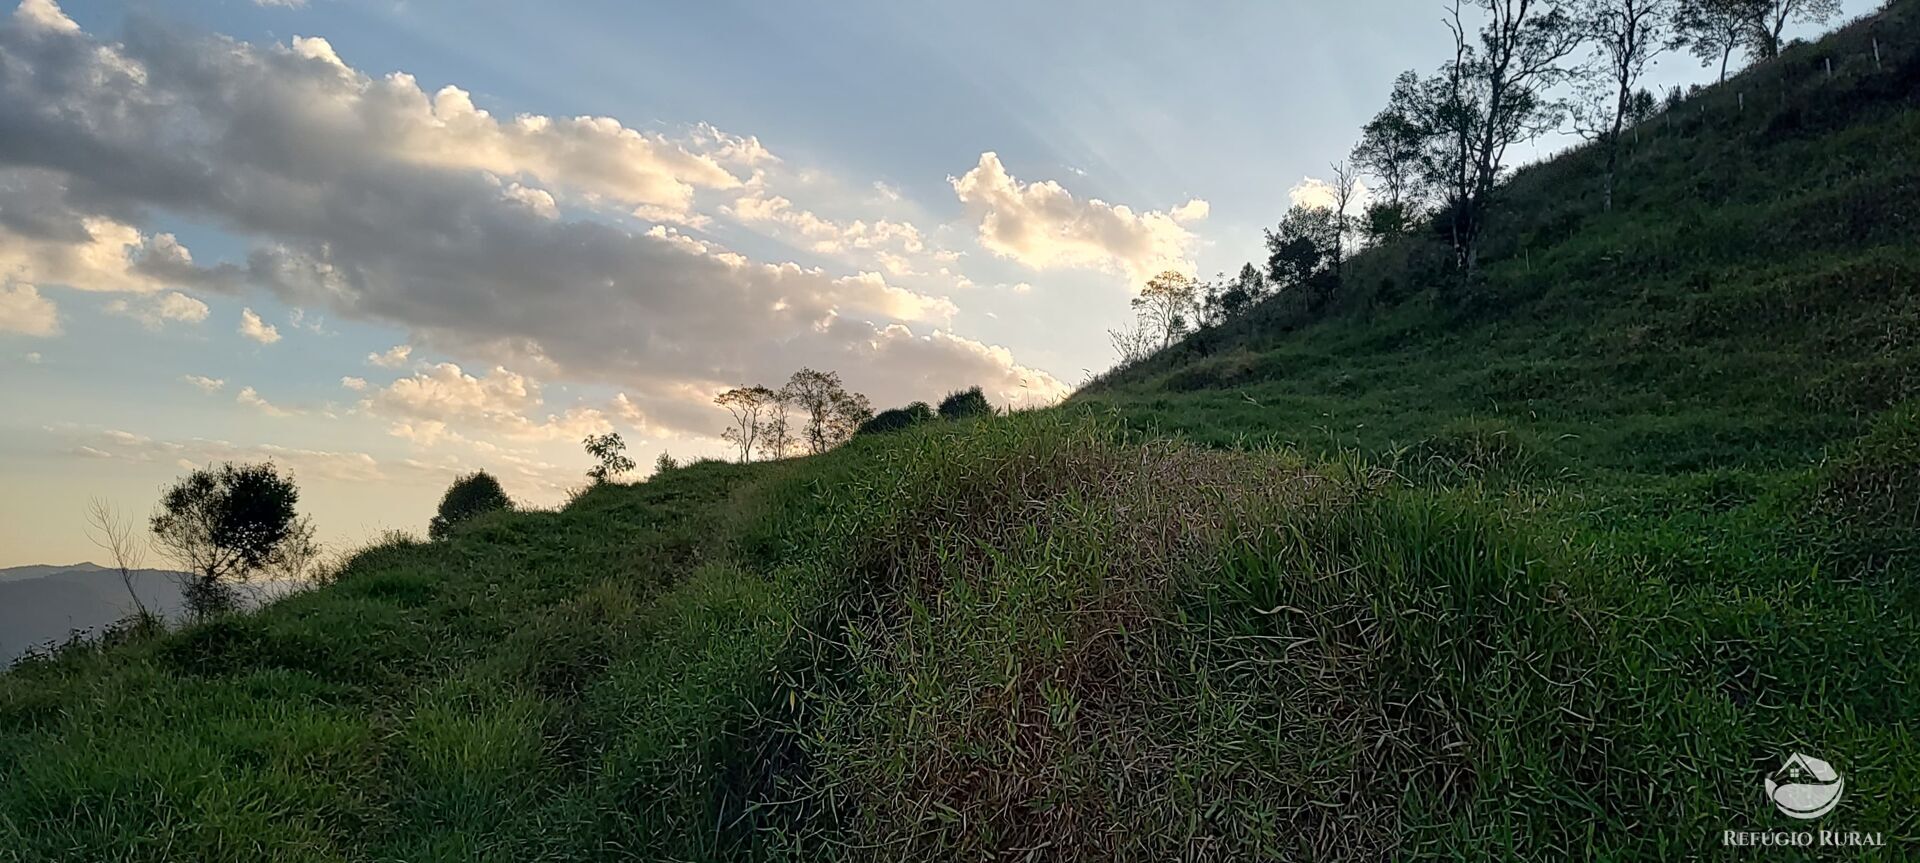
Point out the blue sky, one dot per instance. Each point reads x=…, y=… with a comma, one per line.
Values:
x=920, y=196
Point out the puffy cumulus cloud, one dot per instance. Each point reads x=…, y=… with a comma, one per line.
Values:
x=249, y=397
x=891, y=244
x=252, y=327
x=393, y=116
x=46, y=238
x=743, y=150
x=1320, y=194
x=428, y=405
x=353, y=383
x=171, y=307
x=1042, y=225
x=203, y=383
x=367, y=199
x=44, y=15
x=391, y=358
x=536, y=199
x=23, y=310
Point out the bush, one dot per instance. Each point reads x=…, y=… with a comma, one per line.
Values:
x=897, y=419
x=966, y=403
x=475, y=494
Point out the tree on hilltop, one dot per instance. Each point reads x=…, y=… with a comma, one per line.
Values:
x=226, y=524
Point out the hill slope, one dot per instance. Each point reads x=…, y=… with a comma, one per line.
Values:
x=1557, y=568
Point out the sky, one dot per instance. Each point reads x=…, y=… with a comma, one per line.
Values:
x=386, y=242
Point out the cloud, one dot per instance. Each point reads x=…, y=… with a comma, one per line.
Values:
x=889, y=243
x=23, y=310
x=44, y=15
x=1320, y=194
x=537, y=200
x=364, y=197
x=250, y=398
x=34, y=358
x=206, y=384
x=172, y=307
x=1042, y=225
x=282, y=4
x=305, y=463
x=258, y=330
x=426, y=404
x=353, y=383
x=47, y=238
x=393, y=358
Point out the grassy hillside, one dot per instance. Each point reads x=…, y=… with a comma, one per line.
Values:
x=1555, y=567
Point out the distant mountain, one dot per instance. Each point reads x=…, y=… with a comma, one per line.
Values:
x=44, y=603
x=22, y=573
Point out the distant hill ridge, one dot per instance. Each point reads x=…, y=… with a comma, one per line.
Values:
x=43, y=603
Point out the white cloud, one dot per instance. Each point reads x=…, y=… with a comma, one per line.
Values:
x=44, y=15
x=206, y=384
x=46, y=239
x=353, y=383
x=1043, y=226
x=535, y=199
x=34, y=358
x=425, y=405
x=282, y=4
x=369, y=199
x=171, y=307
x=258, y=330
x=305, y=463
x=392, y=358
x=1314, y=192
x=251, y=398
x=23, y=310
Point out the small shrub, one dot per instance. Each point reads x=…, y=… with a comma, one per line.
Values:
x=897, y=419
x=475, y=494
x=966, y=403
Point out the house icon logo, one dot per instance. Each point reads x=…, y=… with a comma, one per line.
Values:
x=1805, y=787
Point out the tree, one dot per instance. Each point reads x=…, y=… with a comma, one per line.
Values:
x=664, y=463
x=1714, y=29
x=1346, y=189
x=1492, y=95
x=1133, y=343
x=1627, y=35
x=1393, y=143
x=1301, y=247
x=1228, y=298
x=1166, y=303
x=850, y=411
x=776, y=433
x=1769, y=18
x=831, y=413
x=961, y=404
x=475, y=494
x=225, y=524
x=610, y=452
x=113, y=533
x=749, y=407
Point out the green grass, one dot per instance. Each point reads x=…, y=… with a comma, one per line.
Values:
x=1557, y=567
